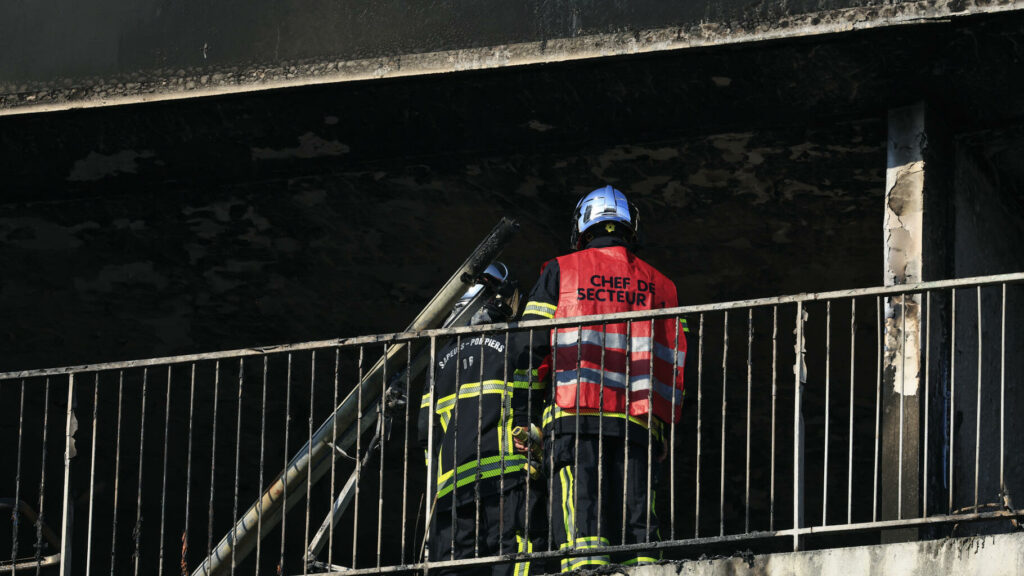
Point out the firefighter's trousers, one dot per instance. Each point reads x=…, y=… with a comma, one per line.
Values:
x=502, y=530
x=586, y=516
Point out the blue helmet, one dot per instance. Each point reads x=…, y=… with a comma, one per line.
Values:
x=603, y=205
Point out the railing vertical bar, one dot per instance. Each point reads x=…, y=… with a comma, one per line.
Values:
x=358, y=457
x=188, y=470
x=453, y=425
x=15, y=517
x=927, y=397
x=92, y=475
x=775, y=375
x=650, y=433
x=117, y=470
x=138, y=502
x=903, y=377
x=625, y=452
x=600, y=428
x=213, y=459
x=798, y=432
x=977, y=415
x=853, y=364
x=429, y=495
x=67, y=505
x=671, y=434
x=504, y=446
x=1002, y=396
x=750, y=379
x=309, y=456
x=479, y=429
x=576, y=440
x=879, y=327
x=721, y=476
x=380, y=443
x=163, y=486
x=284, y=477
x=551, y=453
x=334, y=434
x=952, y=396
x=529, y=413
x=238, y=448
x=700, y=412
x=42, y=478
x=828, y=411
x=405, y=450
x=263, y=430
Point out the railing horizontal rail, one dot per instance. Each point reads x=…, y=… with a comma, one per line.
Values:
x=397, y=337
x=695, y=542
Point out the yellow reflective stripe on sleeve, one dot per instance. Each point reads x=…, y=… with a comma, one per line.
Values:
x=523, y=385
x=540, y=309
x=523, y=379
x=685, y=326
x=425, y=402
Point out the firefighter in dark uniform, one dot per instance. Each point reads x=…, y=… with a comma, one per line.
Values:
x=614, y=387
x=480, y=507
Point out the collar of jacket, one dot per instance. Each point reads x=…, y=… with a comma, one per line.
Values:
x=606, y=241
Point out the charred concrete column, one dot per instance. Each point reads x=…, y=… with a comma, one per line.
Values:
x=916, y=195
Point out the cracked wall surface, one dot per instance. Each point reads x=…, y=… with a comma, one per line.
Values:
x=354, y=252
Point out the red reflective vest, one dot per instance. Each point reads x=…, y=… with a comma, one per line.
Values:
x=604, y=281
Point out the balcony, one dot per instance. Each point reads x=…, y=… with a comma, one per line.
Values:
x=811, y=422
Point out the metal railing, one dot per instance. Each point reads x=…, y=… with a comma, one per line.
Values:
x=850, y=413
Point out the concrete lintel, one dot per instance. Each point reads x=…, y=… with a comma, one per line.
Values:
x=180, y=83
x=999, y=555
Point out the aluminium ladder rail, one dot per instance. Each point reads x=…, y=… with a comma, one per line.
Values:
x=339, y=430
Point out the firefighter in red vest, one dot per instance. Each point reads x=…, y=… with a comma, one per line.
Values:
x=615, y=386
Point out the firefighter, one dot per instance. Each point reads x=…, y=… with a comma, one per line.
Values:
x=480, y=503
x=599, y=430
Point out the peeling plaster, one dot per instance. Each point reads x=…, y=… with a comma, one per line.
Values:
x=310, y=146
x=38, y=234
x=97, y=166
x=903, y=227
x=903, y=220
x=108, y=278
x=539, y=126
x=902, y=332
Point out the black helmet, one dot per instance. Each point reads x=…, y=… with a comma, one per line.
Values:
x=501, y=305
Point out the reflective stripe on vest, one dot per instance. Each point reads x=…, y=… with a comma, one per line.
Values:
x=598, y=364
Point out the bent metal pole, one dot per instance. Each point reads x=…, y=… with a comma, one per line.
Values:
x=314, y=458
